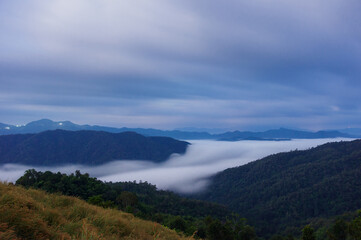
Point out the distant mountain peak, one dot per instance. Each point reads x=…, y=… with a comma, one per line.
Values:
x=43, y=121
x=236, y=135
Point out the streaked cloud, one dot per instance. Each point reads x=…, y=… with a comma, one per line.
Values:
x=238, y=64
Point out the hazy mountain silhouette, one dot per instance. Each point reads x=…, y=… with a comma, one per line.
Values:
x=46, y=124
x=275, y=134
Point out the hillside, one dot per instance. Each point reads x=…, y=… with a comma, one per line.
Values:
x=85, y=147
x=192, y=217
x=34, y=214
x=150, y=200
x=290, y=189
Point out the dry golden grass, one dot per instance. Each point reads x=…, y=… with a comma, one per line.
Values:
x=34, y=214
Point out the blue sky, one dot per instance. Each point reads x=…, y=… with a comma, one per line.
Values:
x=169, y=64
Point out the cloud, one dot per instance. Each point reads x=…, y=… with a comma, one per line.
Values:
x=86, y=56
x=181, y=173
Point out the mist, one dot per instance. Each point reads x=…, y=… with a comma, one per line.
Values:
x=186, y=173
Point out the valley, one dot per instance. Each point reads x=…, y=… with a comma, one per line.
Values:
x=182, y=119
x=312, y=181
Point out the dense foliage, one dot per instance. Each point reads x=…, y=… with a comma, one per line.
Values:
x=171, y=203
x=78, y=185
x=85, y=147
x=290, y=189
x=193, y=217
x=346, y=227
x=343, y=227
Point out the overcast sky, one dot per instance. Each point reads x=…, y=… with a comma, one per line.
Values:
x=253, y=64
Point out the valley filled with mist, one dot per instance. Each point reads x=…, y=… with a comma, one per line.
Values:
x=183, y=173
x=227, y=186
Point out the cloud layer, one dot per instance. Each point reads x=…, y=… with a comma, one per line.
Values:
x=165, y=64
x=181, y=173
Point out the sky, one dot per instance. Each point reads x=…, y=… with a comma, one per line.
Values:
x=187, y=173
x=246, y=65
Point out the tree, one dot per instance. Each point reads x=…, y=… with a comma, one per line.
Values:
x=29, y=178
x=338, y=231
x=355, y=228
x=96, y=200
x=290, y=237
x=127, y=199
x=277, y=237
x=247, y=233
x=308, y=233
x=178, y=223
x=216, y=230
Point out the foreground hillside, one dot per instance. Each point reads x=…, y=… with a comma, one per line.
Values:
x=290, y=189
x=85, y=147
x=34, y=214
x=192, y=217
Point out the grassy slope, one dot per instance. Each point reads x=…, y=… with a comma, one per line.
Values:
x=34, y=214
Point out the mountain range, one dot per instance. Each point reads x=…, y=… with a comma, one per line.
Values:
x=59, y=147
x=275, y=134
x=278, y=194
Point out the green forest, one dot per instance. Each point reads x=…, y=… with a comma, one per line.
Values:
x=192, y=217
x=292, y=189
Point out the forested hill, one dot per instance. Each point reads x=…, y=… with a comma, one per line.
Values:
x=284, y=191
x=85, y=147
x=192, y=217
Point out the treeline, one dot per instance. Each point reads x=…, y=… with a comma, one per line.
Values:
x=345, y=227
x=192, y=217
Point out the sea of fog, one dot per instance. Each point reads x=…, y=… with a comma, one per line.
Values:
x=181, y=173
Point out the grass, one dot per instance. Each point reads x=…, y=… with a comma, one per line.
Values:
x=34, y=214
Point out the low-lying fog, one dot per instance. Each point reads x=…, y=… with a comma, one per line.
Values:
x=181, y=173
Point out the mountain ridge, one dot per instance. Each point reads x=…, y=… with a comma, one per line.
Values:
x=59, y=147
x=273, y=134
